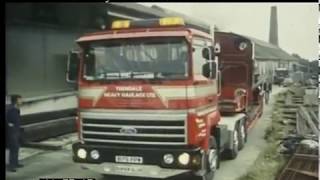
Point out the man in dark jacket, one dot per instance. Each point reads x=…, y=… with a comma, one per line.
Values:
x=267, y=90
x=13, y=124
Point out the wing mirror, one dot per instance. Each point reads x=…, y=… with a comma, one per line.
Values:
x=72, y=67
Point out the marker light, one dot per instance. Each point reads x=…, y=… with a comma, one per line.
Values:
x=82, y=153
x=184, y=158
x=167, y=21
x=170, y=21
x=120, y=24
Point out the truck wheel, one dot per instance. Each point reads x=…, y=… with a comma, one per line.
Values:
x=233, y=153
x=214, y=155
x=211, y=161
x=242, y=133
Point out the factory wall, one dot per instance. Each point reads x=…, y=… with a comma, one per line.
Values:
x=36, y=59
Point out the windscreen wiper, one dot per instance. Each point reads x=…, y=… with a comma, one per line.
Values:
x=133, y=74
x=106, y=75
x=168, y=74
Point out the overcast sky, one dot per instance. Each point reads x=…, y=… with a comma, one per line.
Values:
x=297, y=22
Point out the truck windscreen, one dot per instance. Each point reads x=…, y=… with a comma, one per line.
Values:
x=136, y=58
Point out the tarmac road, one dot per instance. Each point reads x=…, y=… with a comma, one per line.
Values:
x=59, y=164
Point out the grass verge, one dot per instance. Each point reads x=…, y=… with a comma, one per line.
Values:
x=269, y=163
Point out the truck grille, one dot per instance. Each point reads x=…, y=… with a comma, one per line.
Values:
x=119, y=130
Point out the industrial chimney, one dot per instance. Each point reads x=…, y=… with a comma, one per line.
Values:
x=273, y=34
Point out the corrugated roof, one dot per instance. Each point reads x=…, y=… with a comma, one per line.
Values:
x=140, y=8
x=204, y=26
x=267, y=51
x=157, y=12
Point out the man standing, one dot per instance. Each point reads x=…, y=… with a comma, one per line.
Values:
x=13, y=120
x=256, y=93
x=270, y=87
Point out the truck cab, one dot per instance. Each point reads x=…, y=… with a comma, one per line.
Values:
x=148, y=101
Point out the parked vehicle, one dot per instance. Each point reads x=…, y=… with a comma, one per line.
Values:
x=280, y=75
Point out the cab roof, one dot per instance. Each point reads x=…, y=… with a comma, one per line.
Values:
x=143, y=32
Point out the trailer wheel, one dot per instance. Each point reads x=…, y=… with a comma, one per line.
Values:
x=242, y=133
x=233, y=153
x=211, y=161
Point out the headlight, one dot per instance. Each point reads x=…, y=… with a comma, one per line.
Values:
x=239, y=92
x=243, y=46
x=184, y=158
x=168, y=158
x=94, y=154
x=217, y=48
x=82, y=153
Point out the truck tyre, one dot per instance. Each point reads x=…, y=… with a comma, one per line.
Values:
x=213, y=145
x=211, y=162
x=233, y=153
x=242, y=133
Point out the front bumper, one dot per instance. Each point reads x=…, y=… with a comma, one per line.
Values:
x=150, y=171
x=152, y=166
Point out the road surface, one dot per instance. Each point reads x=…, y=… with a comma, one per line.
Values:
x=58, y=164
x=253, y=147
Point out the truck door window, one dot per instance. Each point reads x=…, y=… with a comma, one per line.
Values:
x=198, y=60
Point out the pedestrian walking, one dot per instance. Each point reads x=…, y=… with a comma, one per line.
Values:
x=256, y=94
x=267, y=91
x=13, y=124
x=270, y=87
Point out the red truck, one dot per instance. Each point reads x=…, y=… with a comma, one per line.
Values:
x=157, y=98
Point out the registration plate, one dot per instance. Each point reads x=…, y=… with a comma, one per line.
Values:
x=129, y=159
x=127, y=169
